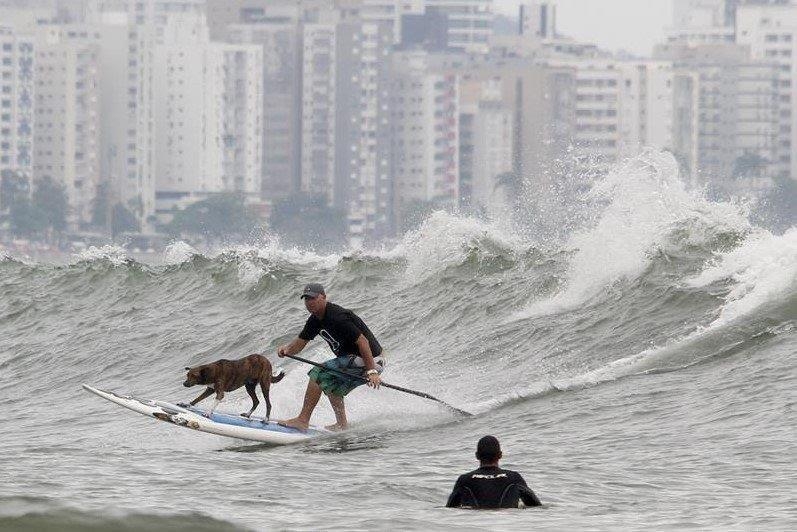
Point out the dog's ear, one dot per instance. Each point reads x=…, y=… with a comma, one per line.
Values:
x=204, y=374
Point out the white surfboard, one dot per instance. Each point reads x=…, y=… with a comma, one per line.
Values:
x=230, y=425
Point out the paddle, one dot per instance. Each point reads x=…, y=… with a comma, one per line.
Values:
x=386, y=385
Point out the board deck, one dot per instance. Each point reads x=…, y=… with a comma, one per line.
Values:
x=222, y=424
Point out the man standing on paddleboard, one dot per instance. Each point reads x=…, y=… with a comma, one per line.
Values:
x=357, y=353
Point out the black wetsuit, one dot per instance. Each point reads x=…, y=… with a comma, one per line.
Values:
x=491, y=487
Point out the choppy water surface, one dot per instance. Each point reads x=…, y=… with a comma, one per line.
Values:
x=640, y=373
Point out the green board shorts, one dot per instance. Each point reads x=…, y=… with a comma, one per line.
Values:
x=333, y=383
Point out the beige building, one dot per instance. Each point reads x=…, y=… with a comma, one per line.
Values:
x=770, y=31
x=727, y=111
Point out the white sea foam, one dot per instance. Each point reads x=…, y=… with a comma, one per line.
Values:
x=638, y=205
x=271, y=250
x=444, y=240
x=762, y=268
x=116, y=255
x=178, y=253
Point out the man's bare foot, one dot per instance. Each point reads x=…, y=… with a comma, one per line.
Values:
x=295, y=423
x=336, y=427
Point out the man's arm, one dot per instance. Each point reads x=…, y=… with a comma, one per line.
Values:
x=455, y=499
x=527, y=495
x=368, y=359
x=296, y=345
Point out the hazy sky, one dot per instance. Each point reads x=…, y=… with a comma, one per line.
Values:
x=635, y=25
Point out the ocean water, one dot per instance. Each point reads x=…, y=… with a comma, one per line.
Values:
x=640, y=373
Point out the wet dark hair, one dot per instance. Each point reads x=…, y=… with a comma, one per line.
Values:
x=488, y=449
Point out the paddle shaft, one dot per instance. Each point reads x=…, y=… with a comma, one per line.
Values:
x=386, y=385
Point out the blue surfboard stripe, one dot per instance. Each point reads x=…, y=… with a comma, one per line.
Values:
x=252, y=423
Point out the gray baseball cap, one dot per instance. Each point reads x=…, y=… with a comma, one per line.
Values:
x=312, y=290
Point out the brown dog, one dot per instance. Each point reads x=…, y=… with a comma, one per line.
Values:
x=228, y=375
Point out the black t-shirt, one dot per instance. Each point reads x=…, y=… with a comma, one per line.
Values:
x=340, y=327
x=491, y=487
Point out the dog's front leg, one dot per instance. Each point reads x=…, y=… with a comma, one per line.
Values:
x=207, y=393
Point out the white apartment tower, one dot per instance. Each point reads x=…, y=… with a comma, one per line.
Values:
x=726, y=109
x=208, y=114
x=281, y=45
x=620, y=107
x=771, y=33
x=319, y=113
x=238, y=104
x=67, y=131
x=127, y=120
x=363, y=129
x=17, y=96
x=493, y=147
x=425, y=131
x=345, y=122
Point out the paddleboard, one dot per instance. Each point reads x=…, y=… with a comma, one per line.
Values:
x=230, y=425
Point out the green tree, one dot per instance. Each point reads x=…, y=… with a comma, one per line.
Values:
x=122, y=220
x=14, y=186
x=306, y=220
x=26, y=219
x=45, y=210
x=51, y=200
x=219, y=216
x=99, y=206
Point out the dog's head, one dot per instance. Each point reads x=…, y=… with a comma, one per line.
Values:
x=197, y=375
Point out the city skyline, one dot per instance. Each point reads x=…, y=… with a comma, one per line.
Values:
x=373, y=111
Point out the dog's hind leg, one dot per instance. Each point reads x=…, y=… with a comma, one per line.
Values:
x=265, y=384
x=250, y=389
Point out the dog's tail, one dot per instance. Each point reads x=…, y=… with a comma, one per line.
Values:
x=277, y=378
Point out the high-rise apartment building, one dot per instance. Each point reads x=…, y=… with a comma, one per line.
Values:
x=127, y=140
x=237, y=85
x=319, y=111
x=425, y=132
x=771, y=33
x=620, y=107
x=281, y=44
x=493, y=143
x=17, y=101
x=726, y=110
x=345, y=120
x=362, y=162
x=68, y=101
x=208, y=114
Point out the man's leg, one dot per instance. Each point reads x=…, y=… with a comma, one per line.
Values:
x=311, y=397
x=339, y=408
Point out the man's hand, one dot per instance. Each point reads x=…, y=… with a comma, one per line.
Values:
x=283, y=350
x=374, y=380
